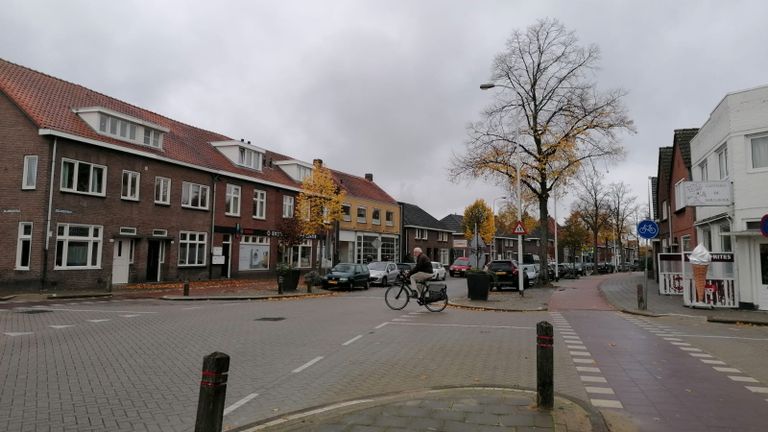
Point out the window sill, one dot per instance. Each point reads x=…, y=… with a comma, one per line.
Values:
x=190, y=265
x=129, y=199
x=194, y=208
x=21, y=268
x=103, y=195
x=77, y=268
x=260, y=217
x=164, y=204
x=232, y=215
x=28, y=188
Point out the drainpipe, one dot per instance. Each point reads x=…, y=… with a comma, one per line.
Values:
x=44, y=278
x=214, y=180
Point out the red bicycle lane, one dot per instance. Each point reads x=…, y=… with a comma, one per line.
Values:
x=639, y=369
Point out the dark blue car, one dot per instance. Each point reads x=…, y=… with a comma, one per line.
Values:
x=347, y=275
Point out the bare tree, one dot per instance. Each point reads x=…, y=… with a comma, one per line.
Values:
x=548, y=113
x=592, y=204
x=622, y=205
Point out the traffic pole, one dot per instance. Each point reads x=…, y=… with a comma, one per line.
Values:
x=545, y=382
x=213, y=391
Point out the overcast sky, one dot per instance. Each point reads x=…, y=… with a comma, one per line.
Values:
x=385, y=87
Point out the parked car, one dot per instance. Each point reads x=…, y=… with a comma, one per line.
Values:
x=532, y=266
x=347, y=275
x=383, y=272
x=567, y=271
x=506, y=274
x=438, y=271
x=459, y=267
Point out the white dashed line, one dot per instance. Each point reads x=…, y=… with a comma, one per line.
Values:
x=14, y=334
x=742, y=379
x=690, y=349
x=580, y=353
x=757, y=389
x=713, y=362
x=351, y=340
x=599, y=390
x=583, y=360
x=700, y=355
x=98, y=320
x=57, y=327
x=726, y=369
x=381, y=325
x=307, y=364
x=130, y=316
x=577, y=347
x=594, y=379
x=587, y=369
x=605, y=403
x=239, y=403
x=680, y=344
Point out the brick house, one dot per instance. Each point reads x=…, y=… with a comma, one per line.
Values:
x=459, y=244
x=681, y=218
x=663, y=174
x=420, y=229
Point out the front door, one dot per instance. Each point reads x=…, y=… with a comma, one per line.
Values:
x=762, y=275
x=121, y=260
x=153, y=260
x=226, y=250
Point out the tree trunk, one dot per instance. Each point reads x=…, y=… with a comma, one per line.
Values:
x=544, y=245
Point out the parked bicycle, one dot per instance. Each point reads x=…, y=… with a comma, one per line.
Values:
x=434, y=296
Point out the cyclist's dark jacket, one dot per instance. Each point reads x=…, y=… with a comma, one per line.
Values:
x=423, y=264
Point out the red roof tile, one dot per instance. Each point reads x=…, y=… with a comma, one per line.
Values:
x=362, y=188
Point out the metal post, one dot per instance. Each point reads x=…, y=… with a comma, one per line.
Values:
x=557, y=260
x=186, y=288
x=545, y=382
x=213, y=391
x=520, y=278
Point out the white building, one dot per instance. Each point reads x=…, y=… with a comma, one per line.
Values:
x=733, y=146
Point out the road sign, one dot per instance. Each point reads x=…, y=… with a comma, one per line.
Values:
x=519, y=229
x=764, y=225
x=647, y=229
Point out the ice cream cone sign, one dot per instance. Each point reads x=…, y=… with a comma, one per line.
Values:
x=700, y=259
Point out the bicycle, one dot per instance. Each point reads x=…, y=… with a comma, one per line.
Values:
x=434, y=297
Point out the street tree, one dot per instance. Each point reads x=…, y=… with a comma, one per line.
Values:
x=548, y=115
x=622, y=206
x=592, y=204
x=506, y=219
x=479, y=219
x=319, y=204
x=574, y=234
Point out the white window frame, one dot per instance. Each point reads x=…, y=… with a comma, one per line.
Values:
x=24, y=238
x=375, y=220
x=75, y=172
x=203, y=191
x=293, y=254
x=750, y=149
x=704, y=170
x=679, y=195
x=250, y=158
x=288, y=206
x=664, y=210
x=346, y=216
x=164, y=183
x=132, y=191
x=232, y=200
x=259, y=204
x=192, y=240
x=389, y=217
x=30, y=170
x=364, y=217
x=722, y=161
x=94, y=246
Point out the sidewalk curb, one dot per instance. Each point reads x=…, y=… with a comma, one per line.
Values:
x=292, y=419
x=77, y=296
x=641, y=313
x=492, y=309
x=722, y=320
x=235, y=297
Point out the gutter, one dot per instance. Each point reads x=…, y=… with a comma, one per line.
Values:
x=44, y=277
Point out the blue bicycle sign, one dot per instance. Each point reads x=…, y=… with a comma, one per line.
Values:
x=647, y=229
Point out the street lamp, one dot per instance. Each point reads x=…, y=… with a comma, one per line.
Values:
x=520, y=280
x=493, y=244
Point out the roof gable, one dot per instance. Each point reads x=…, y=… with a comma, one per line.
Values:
x=415, y=216
x=361, y=188
x=453, y=222
x=664, y=169
x=682, y=142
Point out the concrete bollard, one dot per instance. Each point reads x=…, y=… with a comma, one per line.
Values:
x=545, y=382
x=642, y=304
x=186, y=288
x=213, y=391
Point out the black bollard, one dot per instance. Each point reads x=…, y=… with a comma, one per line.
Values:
x=213, y=391
x=641, y=302
x=186, y=288
x=545, y=382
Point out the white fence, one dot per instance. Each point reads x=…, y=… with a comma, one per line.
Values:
x=719, y=291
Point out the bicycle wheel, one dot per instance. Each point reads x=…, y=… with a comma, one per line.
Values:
x=439, y=305
x=396, y=297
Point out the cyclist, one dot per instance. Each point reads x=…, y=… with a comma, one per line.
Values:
x=421, y=273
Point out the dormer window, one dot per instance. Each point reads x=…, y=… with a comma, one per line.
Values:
x=250, y=159
x=123, y=127
x=242, y=153
x=297, y=170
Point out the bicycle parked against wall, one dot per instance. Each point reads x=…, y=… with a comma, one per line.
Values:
x=434, y=296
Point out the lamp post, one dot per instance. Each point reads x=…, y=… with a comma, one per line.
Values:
x=493, y=244
x=521, y=279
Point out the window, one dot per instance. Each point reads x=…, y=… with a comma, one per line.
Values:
x=346, y=212
x=287, y=206
x=297, y=256
x=259, y=204
x=444, y=258
x=703, y=172
x=194, y=195
x=24, y=246
x=361, y=215
x=130, y=189
x=254, y=253
x=390, y=217
x=722, y=161
x=421, y=234
x=126, y=130
x=128, y=231
x=82, y=177
x=78, y=246
x=159, y=233
x=304, y=172
x=679, y=195
x=376, y=217
x=192, y=248
x=759, y=147
x=664, y=210
x=685, y=243
x=29, y=176
x=725, y=240
x=232, y=203
x=706, y=238
x=442, y=236
x=250, y=158
x=162, y=190
x=152, y=137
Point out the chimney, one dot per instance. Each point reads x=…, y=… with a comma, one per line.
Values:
x=317, y=162
x=369, y=177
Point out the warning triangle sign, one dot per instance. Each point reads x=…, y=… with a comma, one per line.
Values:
x=519, y=229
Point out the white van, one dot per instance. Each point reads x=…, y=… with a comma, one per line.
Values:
x=532, y=266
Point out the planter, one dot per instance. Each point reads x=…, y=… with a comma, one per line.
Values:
x=478, y=285
x=288, y=280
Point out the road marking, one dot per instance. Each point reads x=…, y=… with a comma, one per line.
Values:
x=702, y=355
x=587, y=369
x=192, y=308
x=726, y=369
x=672, y=339
x=57, y=327
x=461, y=325
x=690, y=349
x=14, y=334
x=90, y=310
x=589, y=378
x=599, y=390
x=583, y=361
x=400, y=320
x=576, y=347
x=717, y=362
x=681, y=344
x=757, y=389
x=580, y=353
x=351, y=340
x=722, y=337
x=307, y=364
x=130, y=316
x=98, y=320
x=742, y=379
x=381, y=325
x=605, y=403
x=239, y=403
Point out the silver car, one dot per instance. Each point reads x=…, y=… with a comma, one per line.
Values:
x=383, y=273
